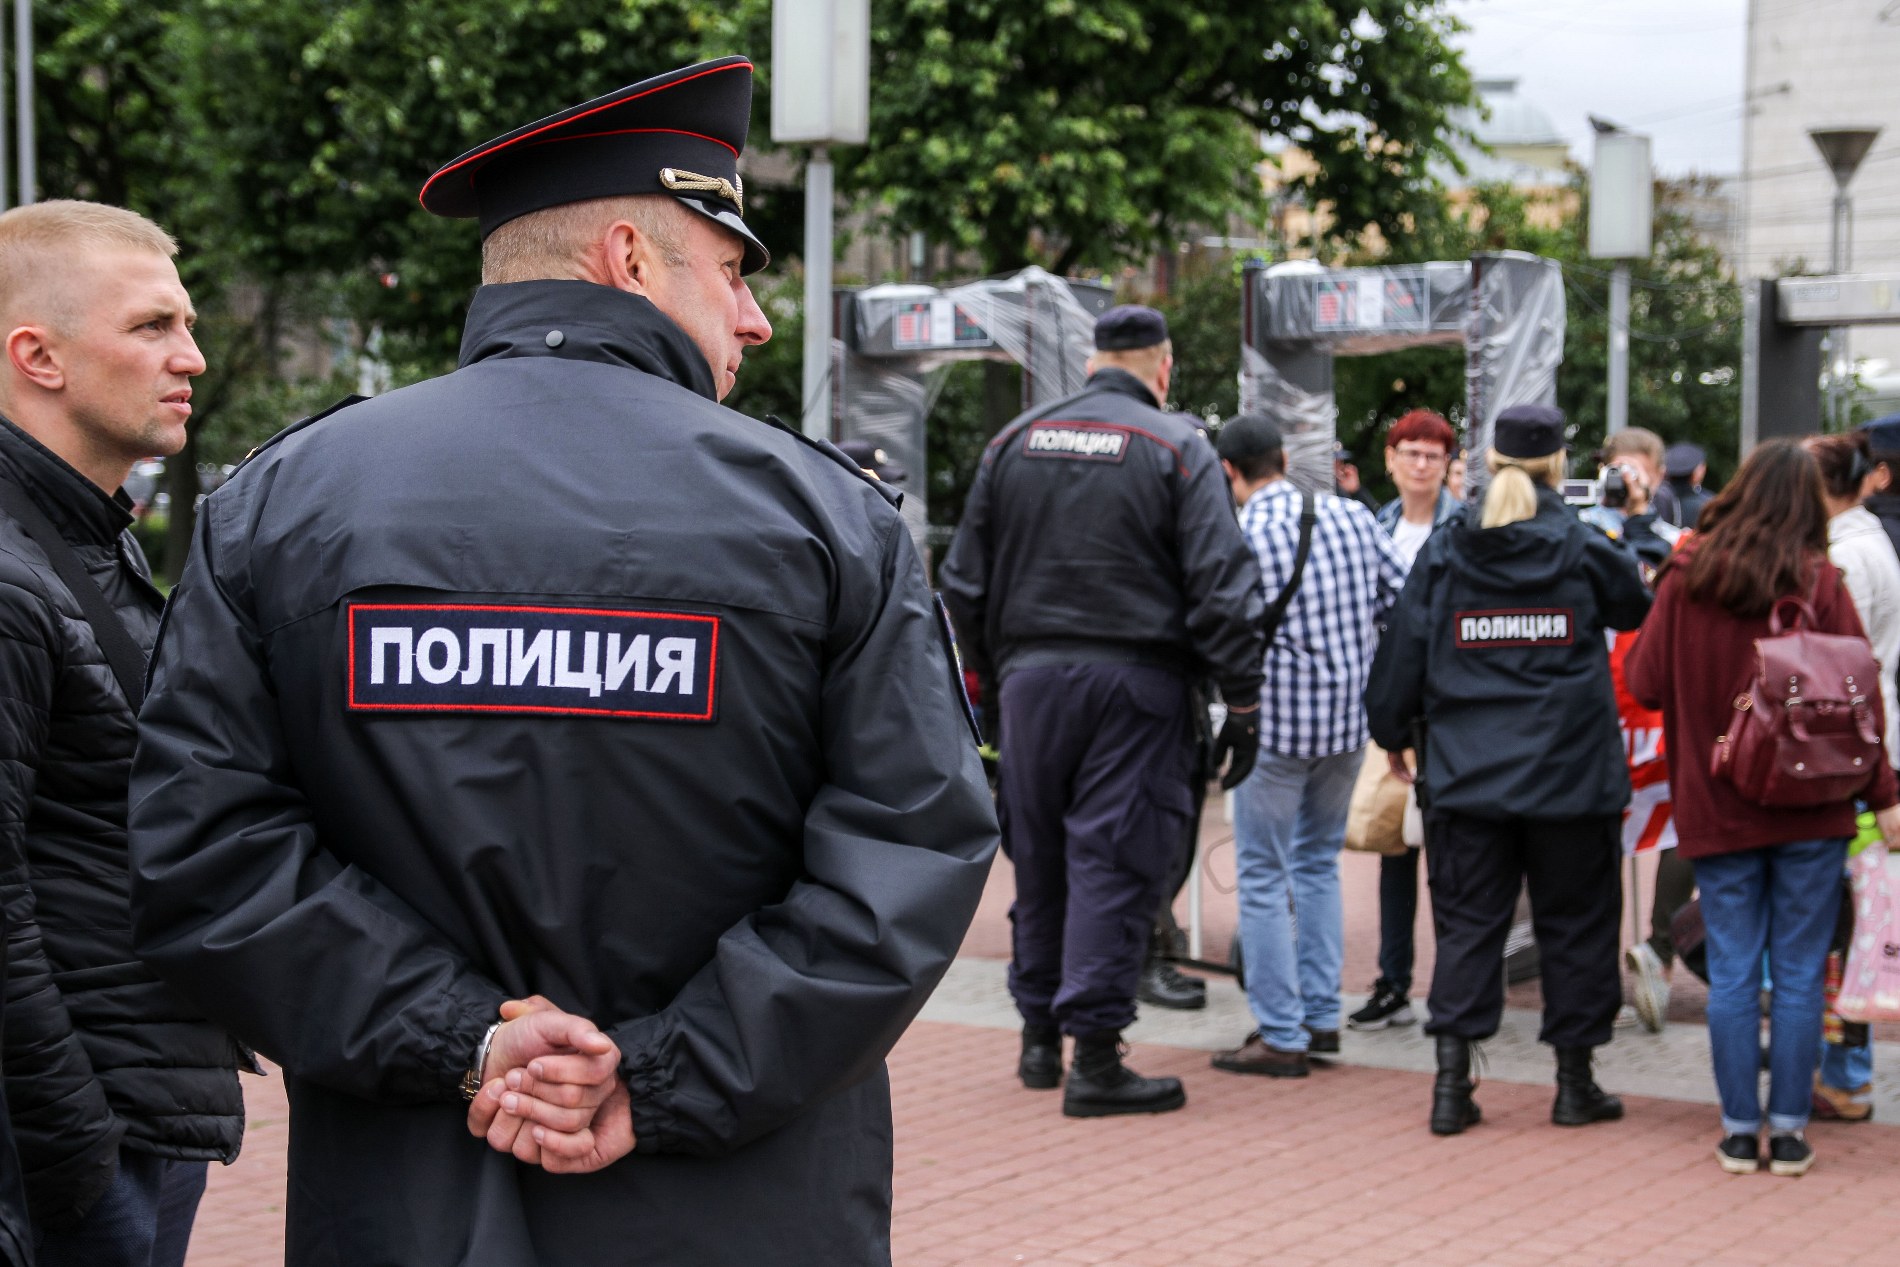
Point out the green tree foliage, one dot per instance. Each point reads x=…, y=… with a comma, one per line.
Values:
x=116, y=124
x=1085, y=133
x=331, y=114
x=285, y=144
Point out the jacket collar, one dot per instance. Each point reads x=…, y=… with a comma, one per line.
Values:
x=83, y=512
x=1122, y=383
x=1447, y=508
x=595, y=323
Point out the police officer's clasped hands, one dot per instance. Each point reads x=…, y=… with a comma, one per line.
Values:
x=551, y=1095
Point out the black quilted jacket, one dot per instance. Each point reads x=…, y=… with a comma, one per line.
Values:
x=96, y=1051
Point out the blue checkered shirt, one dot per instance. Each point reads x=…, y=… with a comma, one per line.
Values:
x=1313, y=702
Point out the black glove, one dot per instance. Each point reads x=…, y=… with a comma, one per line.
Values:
x=1239, y=738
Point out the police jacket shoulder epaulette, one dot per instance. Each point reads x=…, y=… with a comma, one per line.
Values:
x=299, y=425
x=833, y=453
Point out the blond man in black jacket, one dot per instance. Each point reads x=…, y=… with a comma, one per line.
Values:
x=118, y=1091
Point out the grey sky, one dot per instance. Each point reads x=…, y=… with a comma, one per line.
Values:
x=1670, y=68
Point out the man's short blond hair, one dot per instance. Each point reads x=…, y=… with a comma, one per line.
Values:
x=551, y=243
x=1141, y=362
x=40, y=243
x=1635, y=442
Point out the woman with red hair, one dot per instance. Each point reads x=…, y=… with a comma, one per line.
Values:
x=1418, y=452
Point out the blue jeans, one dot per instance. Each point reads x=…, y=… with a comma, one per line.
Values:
x=143, y=1220
x=1847, y=1068
x=1289, y=825
x=1782, y=900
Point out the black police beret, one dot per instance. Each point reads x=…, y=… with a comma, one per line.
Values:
x=1528, y=431
x=1681, y=459
x=1129, y=326
x=1883, y=435
x=1248, y=436
x=679, y=133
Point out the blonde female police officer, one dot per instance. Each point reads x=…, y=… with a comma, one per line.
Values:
x=1496, y=668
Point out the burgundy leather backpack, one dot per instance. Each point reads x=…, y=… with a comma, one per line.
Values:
x=1806, y=727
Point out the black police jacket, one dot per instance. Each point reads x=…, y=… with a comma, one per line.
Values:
x=552, y=675
x=1497, y=646
x=1101, y=527
x=97, y=1051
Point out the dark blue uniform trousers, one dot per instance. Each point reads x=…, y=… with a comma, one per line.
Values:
x=1094, y=798
x=1475, y=867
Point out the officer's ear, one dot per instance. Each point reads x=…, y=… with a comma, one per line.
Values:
x=33, y=354
x=631, y=258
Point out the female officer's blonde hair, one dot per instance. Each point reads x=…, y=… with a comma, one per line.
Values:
x=1512, y=496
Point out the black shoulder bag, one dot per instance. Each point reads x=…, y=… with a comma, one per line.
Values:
x=1276, y=612
x=121, y=649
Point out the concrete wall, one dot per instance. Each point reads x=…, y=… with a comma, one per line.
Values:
x=1821, y=63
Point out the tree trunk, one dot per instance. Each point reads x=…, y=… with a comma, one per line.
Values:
x=181, y=482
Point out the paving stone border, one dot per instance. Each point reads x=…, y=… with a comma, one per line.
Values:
x=1672, y=1065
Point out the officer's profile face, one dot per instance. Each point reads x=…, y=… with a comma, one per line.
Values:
x=122, y=362
x=709, y=299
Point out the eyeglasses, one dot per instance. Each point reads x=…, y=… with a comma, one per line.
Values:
x=1421, y=457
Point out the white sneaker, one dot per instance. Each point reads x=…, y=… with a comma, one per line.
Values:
x=1649, y=986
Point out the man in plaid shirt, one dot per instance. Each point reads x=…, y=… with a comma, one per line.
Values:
x=1290, y=813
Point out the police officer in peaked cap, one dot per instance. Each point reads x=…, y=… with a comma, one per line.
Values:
x=541, y=815
x=1097, y=572
x=1495, y=668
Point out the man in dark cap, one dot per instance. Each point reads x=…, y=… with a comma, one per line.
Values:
x=1097, y=572
x=579, y=817
x=1334, y=574
x=1883, y=437
x=1685, y=466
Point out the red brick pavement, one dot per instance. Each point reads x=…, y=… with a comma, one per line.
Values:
x=1337, y=1168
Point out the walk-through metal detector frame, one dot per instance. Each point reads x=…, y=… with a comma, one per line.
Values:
x=895, y=341
x=1784, y=321
x=1505, y=308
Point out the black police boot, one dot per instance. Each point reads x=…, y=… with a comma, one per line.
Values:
x=1452, y=1107
x=1580, y=1101
x=1100, y=1085
x=1041, y=1065
x=1164, y=986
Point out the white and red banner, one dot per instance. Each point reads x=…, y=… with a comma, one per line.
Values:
x=1649, y=823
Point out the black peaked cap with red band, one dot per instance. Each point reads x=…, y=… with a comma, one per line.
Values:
x=679, y=133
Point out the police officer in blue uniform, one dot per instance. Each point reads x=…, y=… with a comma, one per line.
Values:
x=1097, y=571
x=553, y=684
x=1496, y=670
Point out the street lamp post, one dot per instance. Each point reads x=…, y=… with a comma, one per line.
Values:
x=821, y=55
x=1621, y=215
x=23, y=100
x=1842, y=149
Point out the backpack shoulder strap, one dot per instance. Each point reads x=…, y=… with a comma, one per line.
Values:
x=122, y=651
x=1276, y=612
